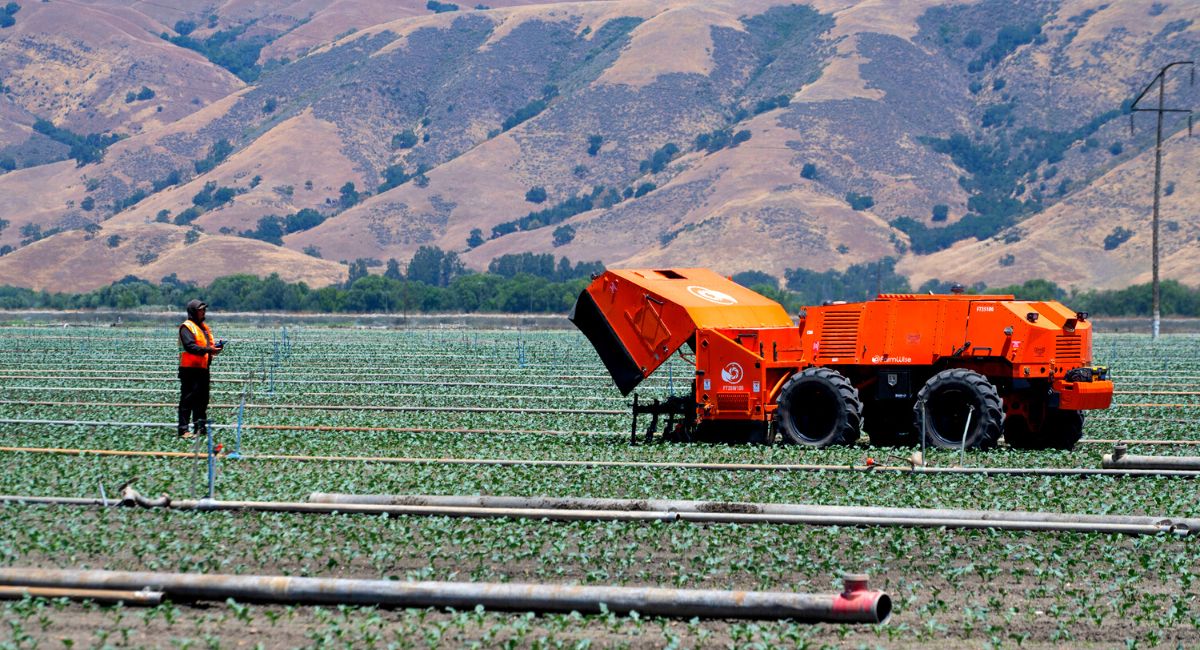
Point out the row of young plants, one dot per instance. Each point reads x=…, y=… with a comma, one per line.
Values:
x=951, y=587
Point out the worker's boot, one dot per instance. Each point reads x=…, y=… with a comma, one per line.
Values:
x=201, y=428
x=182, y=429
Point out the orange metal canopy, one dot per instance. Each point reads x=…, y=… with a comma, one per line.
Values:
x=637, y=318
x=712, y=301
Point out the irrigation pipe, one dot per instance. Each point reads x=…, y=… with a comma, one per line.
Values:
x=1121, y=460
x=550, y=432
x=141, y=597
x=389, y=395
x=320, y=382
x=393, y=460
x=339, y=407
x=309, y=427
x=90, y=373
x=684, y=507
x=856, y=604
x=130, y=497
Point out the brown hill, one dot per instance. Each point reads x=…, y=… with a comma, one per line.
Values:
x=729, y=134
x=80, y=261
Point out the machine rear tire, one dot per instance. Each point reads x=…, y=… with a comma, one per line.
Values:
x=819, y=407
x=947, y=397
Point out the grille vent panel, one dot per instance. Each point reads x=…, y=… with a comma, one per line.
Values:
x=1068, y=347
x=839, y=334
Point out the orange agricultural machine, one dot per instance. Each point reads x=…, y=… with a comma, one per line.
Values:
x=961, y=370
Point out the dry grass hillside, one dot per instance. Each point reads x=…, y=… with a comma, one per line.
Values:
x=291, y=135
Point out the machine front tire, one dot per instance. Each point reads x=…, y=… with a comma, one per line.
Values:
x=1061, y=429
x=819, y=407
x=1057, y=429
x=947, y=399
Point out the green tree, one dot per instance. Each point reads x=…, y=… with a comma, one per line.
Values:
x=357, y=271
x=475, y=239
x=563, y=235
x=393, y=270
x=348, y=195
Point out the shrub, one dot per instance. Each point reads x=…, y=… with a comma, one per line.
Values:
x=771, y=104
x=563, y=235
x=217, y=154
x=163, y=216
x=114, y=240
x=440, y=7
x=1117, y=237
x=87, y=203
x=859, y=201
x=941, y=212
x=1116, y=148
x=808, y=171
x=594, y=143
x=393, y=176
x=303, y=220
x=348, y=195
x=192, y=236
x=187, y=216
x=644, y=189
x=268, y=229
x=536, y=194
x=404, y=140
x=475, y=239
x=659, y=159
x=269, y=105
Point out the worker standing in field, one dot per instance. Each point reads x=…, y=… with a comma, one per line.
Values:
x=198, y=347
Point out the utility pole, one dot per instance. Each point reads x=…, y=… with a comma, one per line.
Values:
x=1161, y=80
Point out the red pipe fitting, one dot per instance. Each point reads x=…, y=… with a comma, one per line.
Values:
x=857, y=601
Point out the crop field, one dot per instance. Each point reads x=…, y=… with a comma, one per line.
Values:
x=470, y=412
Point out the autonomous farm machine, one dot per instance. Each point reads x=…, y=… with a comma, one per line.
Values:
x=958, y=370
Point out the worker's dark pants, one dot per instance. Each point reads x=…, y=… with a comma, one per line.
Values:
x=193, y=398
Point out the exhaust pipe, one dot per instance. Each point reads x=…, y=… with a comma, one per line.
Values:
x=857, y=603
x=1118, y=459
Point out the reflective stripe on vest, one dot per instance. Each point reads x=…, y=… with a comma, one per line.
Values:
x=204, y=339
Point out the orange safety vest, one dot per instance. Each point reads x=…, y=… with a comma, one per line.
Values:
x=204, y=338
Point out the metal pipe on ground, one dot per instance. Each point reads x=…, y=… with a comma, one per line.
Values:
x=734, y=509
x=140, y=597
x=767, y=467
x=131, y=497
x=856, y=604
x=1118, y=459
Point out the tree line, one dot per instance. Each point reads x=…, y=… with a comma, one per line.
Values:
x=531, y=283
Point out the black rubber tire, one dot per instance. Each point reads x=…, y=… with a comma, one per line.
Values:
x=819, y=407
x=946, y=398
x=1017, y=433
x=1059, y=430
x=888, y=423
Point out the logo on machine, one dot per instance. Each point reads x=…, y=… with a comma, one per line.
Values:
x=732, y=373
x=712, y=295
